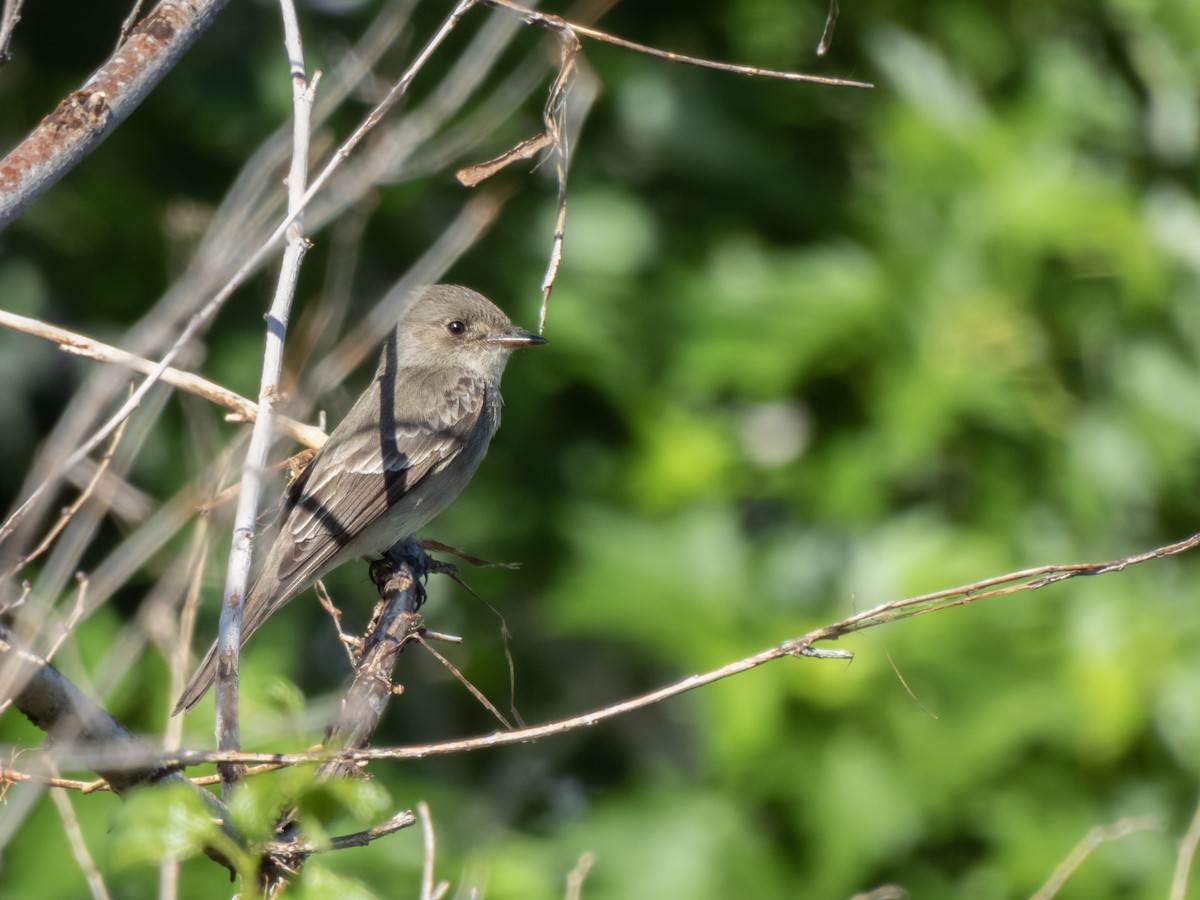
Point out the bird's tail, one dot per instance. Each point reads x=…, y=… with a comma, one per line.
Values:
x=200, y=682
x=267, y=595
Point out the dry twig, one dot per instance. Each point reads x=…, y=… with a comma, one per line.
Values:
x=557, y=23
x=1093, y=839
x=1001, y=585
x=1187, y=854
x=242, y=410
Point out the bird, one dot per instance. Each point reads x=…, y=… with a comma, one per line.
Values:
x=408, y=446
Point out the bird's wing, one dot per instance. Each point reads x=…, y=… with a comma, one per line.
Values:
x=382, y=450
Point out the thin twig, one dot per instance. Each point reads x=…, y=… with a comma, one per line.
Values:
x=465, y=682
x=80, y=345
x=178, y=659
x=293, y=464
x=827, y=35
x=69, y=513
x=1187, y=853
x=9, y=776
x=359, y=839
x=1093, y=839
x=347, y=641
x=130, y=21
x=73, y=619
x=556, y=23
x=1026, y=579
x=12, y=776
x=79, y=849
x=554, y=117
x=576, y=877
x=8, y=23
x=473, y=175
x=429, y=846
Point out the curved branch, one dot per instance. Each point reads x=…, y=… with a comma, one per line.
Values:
x=803, y=646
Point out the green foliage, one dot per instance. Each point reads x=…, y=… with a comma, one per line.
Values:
x=257, y=804
x=170, y=822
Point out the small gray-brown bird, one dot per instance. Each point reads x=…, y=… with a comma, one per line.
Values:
x=405, y=450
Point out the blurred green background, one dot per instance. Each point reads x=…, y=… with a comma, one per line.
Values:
x=811, y=349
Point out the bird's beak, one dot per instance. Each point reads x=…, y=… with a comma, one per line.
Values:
x=516, y=339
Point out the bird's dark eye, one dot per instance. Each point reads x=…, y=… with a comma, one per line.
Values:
x=456, y=327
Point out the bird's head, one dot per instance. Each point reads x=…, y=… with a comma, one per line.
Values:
x=453, y=325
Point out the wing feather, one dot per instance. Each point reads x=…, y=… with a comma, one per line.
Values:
x=383, y=450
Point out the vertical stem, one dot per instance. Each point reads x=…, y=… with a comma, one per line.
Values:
x=229, y=639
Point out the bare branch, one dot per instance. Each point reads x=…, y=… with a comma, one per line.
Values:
x=9, y=18
x=75, y=506
x=90, y=114
x=1090, y=842
x=554, y=117
x=827, y=35
x=557, y=23
x=71, y=719
x=237, y=578
x=359, y=839
x=79, y=848
x=394, y=624
x=579, y=874
x=1026, y=579
x=427, y=866
x=475, y=174
x=1187, y=854
x=80, y=345
x=12, y=776
x=462, y=679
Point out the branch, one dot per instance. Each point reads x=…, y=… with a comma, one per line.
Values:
x=358, y=839
x=209, y=309
x=71, y=719
x=1093, y=839
x=80, y=345
x=79, y=848
x=559, y=24
x=394, y=624
x=237, y=576
x=1024, y=580
x=9, y=18
x=1183, y=862
x=90, y=114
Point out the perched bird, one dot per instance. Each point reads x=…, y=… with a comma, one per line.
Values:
x=405, y=450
